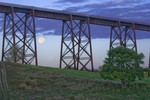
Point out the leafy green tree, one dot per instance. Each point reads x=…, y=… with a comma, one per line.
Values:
x=122, y=64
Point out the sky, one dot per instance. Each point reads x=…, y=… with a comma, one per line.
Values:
x=133, y=10
x=125, y=9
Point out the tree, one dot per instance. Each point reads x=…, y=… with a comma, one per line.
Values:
x=122, y=64
x=15, y=54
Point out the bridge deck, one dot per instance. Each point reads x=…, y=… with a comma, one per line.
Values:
x=63, y=15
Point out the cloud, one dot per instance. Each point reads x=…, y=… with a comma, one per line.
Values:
x=46, y=32
x=71, y=1
x=103, y=4
x=48, y=24
x=64, y=4
x=110, y=4
x=136, y=10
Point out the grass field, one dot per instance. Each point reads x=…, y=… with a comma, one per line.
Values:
x=27, y=82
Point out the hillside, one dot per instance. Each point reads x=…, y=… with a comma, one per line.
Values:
x=28, y=82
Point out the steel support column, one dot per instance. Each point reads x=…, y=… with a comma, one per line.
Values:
x=67, y=55
x=8, y=51
x=123, y=36
x=29, y=43
x=76, y=47
x=116, y=36
x=19, y=40
x=84, y=56
x=130, y=37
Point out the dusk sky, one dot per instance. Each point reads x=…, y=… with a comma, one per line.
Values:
x=125, y=9
x=134, y=10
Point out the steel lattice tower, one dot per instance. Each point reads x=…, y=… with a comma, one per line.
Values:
x=123, y=36
x=76, y=48
x=84, y=57
x=19, y=38
x=67, y=55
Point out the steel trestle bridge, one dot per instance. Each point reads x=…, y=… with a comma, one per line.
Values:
x=76, y=48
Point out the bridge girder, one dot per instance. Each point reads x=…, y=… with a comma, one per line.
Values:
x=63, y=15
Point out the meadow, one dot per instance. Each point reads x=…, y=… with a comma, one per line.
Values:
x=29, y=82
